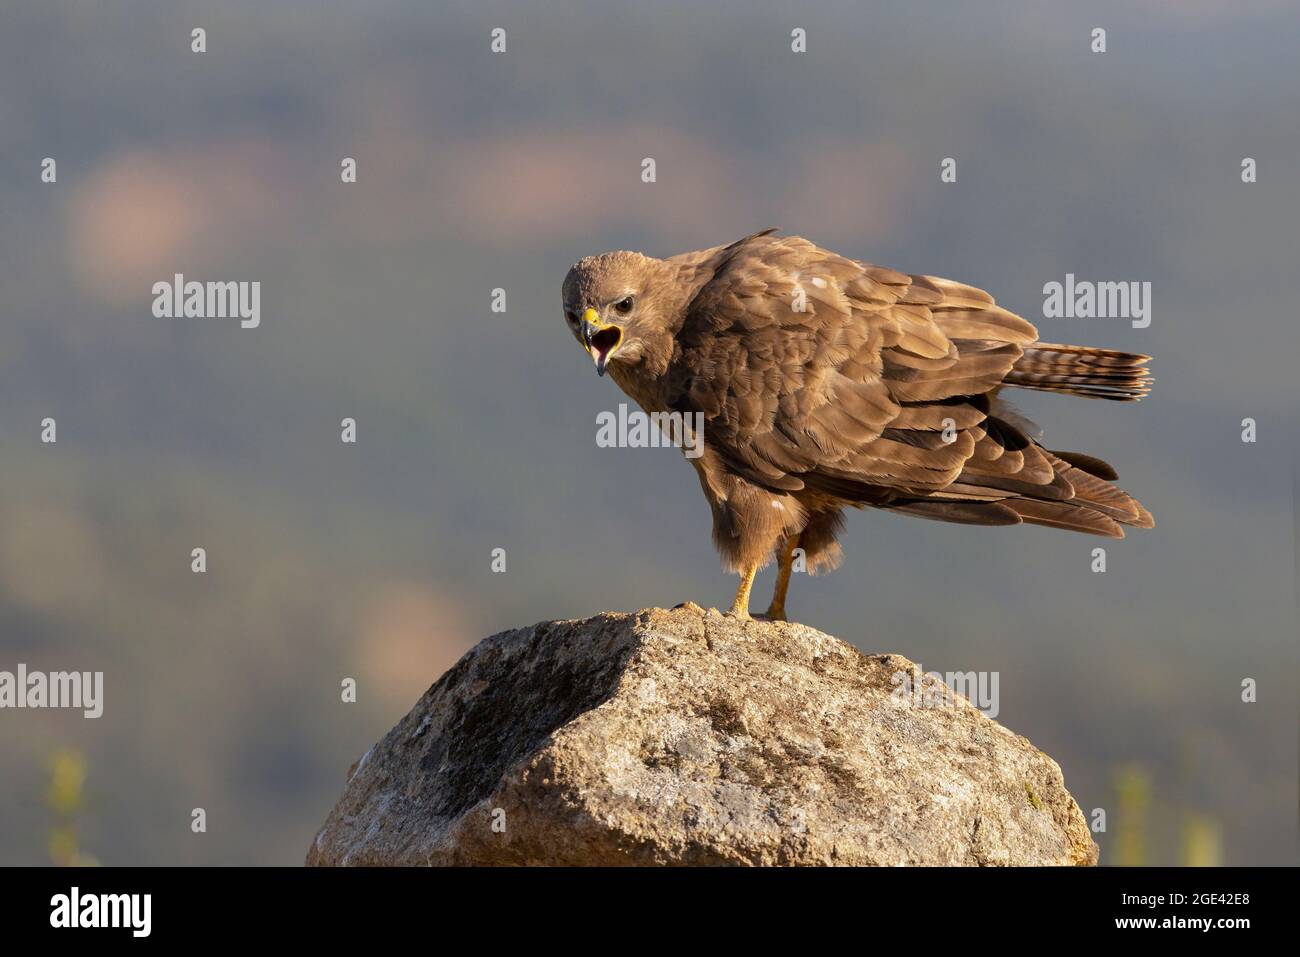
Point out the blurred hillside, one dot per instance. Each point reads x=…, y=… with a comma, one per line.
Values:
x=476, y=430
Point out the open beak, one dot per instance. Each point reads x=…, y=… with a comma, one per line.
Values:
x=601, y=339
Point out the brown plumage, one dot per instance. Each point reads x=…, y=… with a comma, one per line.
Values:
x=825, y=382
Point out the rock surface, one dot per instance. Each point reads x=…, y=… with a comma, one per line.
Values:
x=688, y=737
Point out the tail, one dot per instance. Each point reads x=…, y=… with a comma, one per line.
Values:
x=1081, y=370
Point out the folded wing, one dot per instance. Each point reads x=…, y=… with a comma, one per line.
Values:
x=874, y=387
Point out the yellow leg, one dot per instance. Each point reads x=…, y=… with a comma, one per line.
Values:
x=740, y=607
x=776, y=610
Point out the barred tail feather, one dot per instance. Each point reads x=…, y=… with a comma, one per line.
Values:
x=1081, y=370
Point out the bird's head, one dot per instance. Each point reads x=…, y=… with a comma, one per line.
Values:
x=619, y=306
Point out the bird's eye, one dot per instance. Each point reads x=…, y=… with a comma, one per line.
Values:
x=571, y=318
x=624, y=305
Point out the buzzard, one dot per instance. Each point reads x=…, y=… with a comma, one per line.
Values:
x=824, y=382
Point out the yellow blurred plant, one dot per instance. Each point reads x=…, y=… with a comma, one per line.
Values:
x=66, y=798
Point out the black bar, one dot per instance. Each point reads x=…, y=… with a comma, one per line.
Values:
x=303, y=906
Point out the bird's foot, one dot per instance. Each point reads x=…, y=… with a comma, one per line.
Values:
x=740, y=607
x=688, y=605
x=774, y=613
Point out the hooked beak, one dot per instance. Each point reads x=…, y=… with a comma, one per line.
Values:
x=600, y=338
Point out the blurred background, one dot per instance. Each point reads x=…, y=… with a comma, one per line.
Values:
x=476, y=430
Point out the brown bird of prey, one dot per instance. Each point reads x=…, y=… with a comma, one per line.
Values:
x=824, y=382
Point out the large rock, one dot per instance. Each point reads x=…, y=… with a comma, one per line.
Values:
x=686, y=737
